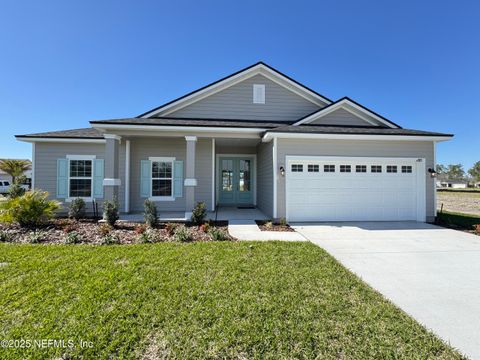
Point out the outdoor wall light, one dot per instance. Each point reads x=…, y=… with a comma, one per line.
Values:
x=282, y=171
x=432, y=172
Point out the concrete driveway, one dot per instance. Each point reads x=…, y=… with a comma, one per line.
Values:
x=430, y=272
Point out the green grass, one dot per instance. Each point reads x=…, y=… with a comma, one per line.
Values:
x=463, y=221
x=200, y=300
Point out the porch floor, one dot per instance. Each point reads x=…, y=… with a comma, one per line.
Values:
x=223, y=213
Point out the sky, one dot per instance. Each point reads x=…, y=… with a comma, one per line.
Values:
x=64, y=63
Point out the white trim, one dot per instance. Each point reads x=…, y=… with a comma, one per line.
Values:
x=162, y=159
x=341, y=104
x=61, y=140
x=188, y=215
x=161, y=198
x=364, y=118
x=217, y=173
x=421, y=175
x=269, y=136
x=127, y=176
x=275, y=177
x=81, y=157
x=111, y=182
x=70, y=199
x=200, y=129
x=190, y=182
x=33, y=166
x=191, y=138
x=434, y=179
x=112, y=136
x=235, y=79
x=213, y=174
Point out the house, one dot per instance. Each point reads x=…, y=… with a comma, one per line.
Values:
x=254, y=138
x=6, y=177
x=452, y=184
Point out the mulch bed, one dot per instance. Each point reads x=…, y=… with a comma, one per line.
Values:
x=93, y=232
x=269, y=226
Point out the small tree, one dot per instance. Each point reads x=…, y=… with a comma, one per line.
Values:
x=110, y=211
x=16, y=189
x=14, y=167
x=474, y=172
x=77, y=209
x=150, y=213
x=199, y=213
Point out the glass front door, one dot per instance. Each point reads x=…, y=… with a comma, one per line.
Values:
x=236, y=180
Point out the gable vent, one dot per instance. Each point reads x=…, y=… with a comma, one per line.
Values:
x=258, y=93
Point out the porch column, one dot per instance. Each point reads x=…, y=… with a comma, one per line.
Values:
x=111, y=181
x=190, y=180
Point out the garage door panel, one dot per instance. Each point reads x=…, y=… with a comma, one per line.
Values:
x=351, y=196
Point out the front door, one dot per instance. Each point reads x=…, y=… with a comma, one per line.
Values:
x=236, y=180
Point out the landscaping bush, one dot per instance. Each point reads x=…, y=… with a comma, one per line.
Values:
x=15, y=190
x=170, y=228
x=110, y=211
x=76, y=209
x=73, y=237
x=140, y=229
x=148, y=236
x=283, y=221
x=150, y=213
x=182, y=234
x=5, y=236
x=199, y=213
x=35, y=237
x=205, y=227
x=218, y=234
x=268, y=225
x=110, y=239
x=29, y=210
x=104, y=229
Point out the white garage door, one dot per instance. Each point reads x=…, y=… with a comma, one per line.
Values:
x=355, y=189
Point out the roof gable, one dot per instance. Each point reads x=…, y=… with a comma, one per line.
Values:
x=342, y=107
x=224, y=83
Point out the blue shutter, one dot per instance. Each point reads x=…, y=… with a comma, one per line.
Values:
x=62, y=178
x=98, y=175
x=145, y=178
x=178, y=179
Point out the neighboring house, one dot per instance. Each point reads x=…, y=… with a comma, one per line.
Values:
x=453, y=184
x=256, y=137
x=28, y=174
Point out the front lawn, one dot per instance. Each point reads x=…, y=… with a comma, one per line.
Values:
x=458, y=221
x=199, y=300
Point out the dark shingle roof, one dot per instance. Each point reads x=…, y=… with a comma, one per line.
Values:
x=165, y=121
x=85, y=133
x=351, y=130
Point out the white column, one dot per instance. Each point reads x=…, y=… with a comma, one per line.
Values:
x=190, y=181
x=213, y=174
x=127, y=176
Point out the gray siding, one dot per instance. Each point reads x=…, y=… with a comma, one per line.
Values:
x=235, y=150
x=143, y=148
x=417, y=149
x=236, y=102
x=265, y=178
x=341, y=117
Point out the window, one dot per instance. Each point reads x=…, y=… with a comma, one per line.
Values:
x=80, y=178
x=258, y=94
x=297, y=168
x=406, y=169
x=391, y=168
x=361, y=168
x=376, y=168
x=162, y=178
x=313, y=168
x=328, y=168
x=345, y=168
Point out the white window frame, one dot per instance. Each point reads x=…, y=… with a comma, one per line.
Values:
x=91, y=158
x=166, y=160
x=258, y=93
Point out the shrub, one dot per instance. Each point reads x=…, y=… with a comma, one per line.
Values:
x=149, y=236
x=73, y=237
x=183, y=234
x=218, y=234
x=205, y=227
x=77, y=209
x=171, y=228
x=104, y=229
x=15, y=190
x=34, y=237
x=110, y=211
x=5, y=236
x=268, y=225
x=110, y=239
x=283, y=221
x=29, y=210
x=150, y=213
x=140, y=229
x=199, y=213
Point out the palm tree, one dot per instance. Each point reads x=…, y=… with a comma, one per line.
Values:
x=14, y=168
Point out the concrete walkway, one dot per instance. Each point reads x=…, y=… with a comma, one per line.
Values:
x=430, y=272
x=249, y=230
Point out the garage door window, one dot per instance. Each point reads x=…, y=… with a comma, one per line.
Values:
x=376, y=169
x=297, y=168
x=361, y=168
x=391, y=168
x=406, y=169
x=329, y=168
x=313, y=168
x=345, y=168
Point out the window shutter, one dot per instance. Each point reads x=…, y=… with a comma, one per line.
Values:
x=98, y=175
x=178, y=178
x=62, y=178
x=145, y=178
